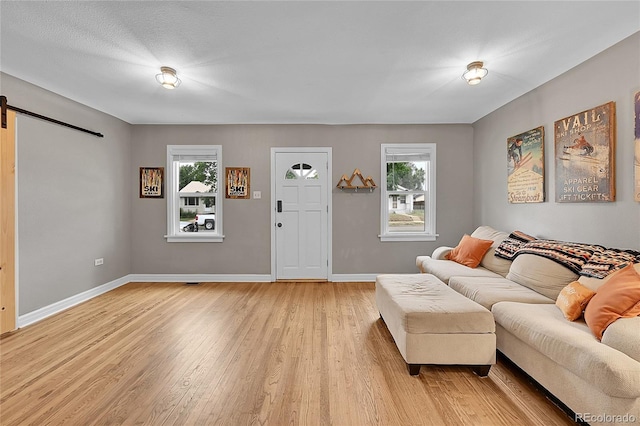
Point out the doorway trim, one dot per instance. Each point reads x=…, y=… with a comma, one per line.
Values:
x=328, y=151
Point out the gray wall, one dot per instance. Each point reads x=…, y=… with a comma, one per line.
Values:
x=74, y=197
x=78, y=199
x=613, y=75
x=356, y=216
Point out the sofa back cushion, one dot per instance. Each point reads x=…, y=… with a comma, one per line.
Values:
x=540, y=274
x=490, y=261
x=595, y=283
x=624, y=336
x=592, y=284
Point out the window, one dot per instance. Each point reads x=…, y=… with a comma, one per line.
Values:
x=408, y=201
x=191, y=201
x=301, y=171
x=194, y=210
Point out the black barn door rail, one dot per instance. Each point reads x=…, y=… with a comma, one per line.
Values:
x=4, y=106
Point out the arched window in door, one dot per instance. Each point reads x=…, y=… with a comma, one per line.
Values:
x=302, y=171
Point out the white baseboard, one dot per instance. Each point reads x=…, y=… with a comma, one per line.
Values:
x=236, y=278
x=54, y=308
x=220, y=278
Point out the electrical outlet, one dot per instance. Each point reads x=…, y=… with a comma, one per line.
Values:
x=98, y=262
x=257, y=195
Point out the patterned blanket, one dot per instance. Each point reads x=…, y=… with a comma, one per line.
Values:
x=571, y=255
x=510, y=245
x=606, y=261
x=588, y=260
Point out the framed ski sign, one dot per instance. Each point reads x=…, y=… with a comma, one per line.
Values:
x=525, y=167
x=585, y=156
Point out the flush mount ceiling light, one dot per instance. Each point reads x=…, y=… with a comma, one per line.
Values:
x=475, y=72
x=168, y=78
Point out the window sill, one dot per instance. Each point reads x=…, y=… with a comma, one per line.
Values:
x=408, y=237
x=194, y=239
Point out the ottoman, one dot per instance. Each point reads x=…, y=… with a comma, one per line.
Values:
x=433, y=324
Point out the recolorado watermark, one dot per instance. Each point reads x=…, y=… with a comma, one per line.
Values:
x=605, y=418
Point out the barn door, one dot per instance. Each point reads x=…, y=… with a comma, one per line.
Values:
x=8, y=225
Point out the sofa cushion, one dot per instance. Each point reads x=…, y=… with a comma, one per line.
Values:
x=573, y=299
x=618, y=298
x=490, y=290
x=540, y=274
x=445, y=269
x=488, y=233
x=490, y=261
x=469, y=251
x=592, y=284
x=595, y=283
x=571, y=345
x=624, y=335
x=495, y=264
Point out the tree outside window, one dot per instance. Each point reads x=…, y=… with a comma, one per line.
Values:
x=194, y=192
x=408, y=202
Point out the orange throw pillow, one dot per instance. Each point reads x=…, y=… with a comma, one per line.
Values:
x=573, y=299
x=618, y=298
x=470, y=251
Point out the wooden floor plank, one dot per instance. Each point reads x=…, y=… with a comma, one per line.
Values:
x=298, y=353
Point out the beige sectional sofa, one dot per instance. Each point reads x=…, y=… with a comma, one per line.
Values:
x=598, y=380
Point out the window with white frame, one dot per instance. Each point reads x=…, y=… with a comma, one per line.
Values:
x=408, y=198
x=194, y=207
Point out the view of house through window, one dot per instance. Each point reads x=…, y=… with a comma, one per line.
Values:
x=406, y=189
x=194, y=208
x=197, y=188
x=408, y=207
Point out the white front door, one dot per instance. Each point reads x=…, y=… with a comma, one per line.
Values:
x=301, y=213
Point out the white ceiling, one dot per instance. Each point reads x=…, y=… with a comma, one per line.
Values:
x=302, y=62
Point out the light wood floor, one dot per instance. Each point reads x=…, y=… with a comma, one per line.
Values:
x=242, y=353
